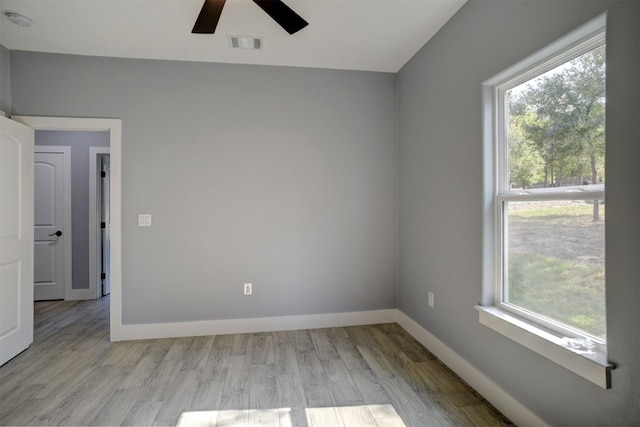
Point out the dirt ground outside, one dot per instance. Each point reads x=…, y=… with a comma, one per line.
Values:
x=569, y=237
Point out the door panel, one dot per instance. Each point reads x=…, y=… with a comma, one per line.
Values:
x=16, y=238
x=44, y=270
x=45, y=181
x=49, y=256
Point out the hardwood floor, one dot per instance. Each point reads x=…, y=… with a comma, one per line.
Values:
x=374, y=375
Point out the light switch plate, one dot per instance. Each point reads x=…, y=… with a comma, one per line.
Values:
x=144, y=220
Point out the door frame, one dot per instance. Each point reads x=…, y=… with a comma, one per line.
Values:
x=114, y=126
x=66, y=201
x=94, y=229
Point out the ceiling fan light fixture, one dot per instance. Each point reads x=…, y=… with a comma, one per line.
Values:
x=18, y=19
x=245, y=42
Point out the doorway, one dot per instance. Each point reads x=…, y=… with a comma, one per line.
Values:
x=114, y=127
x=78, y=146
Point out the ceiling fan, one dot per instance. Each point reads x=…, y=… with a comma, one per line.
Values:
x=276, y=9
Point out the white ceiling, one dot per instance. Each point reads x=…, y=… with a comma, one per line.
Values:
x=372, y=35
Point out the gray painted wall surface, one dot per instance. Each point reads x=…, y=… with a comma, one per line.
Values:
x=79, y=142
x=440, y=217
x=5, y=80
x=283, y=177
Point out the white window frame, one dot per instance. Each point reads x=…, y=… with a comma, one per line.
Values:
x=542, y=335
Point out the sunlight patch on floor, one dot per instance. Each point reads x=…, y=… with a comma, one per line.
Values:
x=362, y=415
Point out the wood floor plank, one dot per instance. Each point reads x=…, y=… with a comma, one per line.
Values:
x=262, y=351
x=241, y=344
x=124, y=354
x=262, y=387
x=208, y=396
x=116, y=408
x=263, y=417
x=291, y=400
x=368, y=386
x=14, y=398
x=221, y=341
x=177, y=398
x=386, y=416
x=324, y=347
x=27, y=413
x=216, y=367
x=457, y=391
x=197, y=354
x=237, y=380
x=310, y=367
x=79, y=403
x=143, y=413
x=356, y=416
x=350, y=354
x=372, y=375
x=286, y=361
x=342, y=387
x=234, y=410
x=143, y=370
x=408, y=405
x=325, y=417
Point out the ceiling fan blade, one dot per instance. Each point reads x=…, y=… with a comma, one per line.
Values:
x=283, y=15
x=208, y=18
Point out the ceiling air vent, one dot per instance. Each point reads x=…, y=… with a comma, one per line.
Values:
x=245, y=42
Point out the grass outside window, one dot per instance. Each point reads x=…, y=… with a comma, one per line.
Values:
x=556, y=262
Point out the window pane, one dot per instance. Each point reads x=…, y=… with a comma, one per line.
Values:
x=556, y=125
x=555, y=268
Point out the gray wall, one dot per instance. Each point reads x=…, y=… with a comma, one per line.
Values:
x=79, y=142
x=283, y=177
x=287, y=178
x=5, y=80
x=440, y=217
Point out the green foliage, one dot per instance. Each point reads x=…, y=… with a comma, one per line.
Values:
x=527, y=165
x=557, y=123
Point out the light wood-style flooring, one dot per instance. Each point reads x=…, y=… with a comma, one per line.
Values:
x=374, y=375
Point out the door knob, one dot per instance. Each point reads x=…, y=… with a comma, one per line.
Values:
x=57, y=233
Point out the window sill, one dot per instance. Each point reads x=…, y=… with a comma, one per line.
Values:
x=591, y=366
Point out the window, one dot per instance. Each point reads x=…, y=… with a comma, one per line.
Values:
x=545, y=197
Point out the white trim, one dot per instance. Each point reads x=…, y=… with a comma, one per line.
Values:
x=94, y=230
x=496, y=395
x=591, y=366
x=114, y=126
x=257, y=324
x=66, y=201
x=79, y=294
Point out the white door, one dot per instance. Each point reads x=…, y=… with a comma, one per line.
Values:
x=16, y=238
x=49, y=232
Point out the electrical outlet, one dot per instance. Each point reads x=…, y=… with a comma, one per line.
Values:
x=431, y=299
x=248, y=288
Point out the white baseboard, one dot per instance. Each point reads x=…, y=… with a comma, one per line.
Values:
x=503, y=401
x=79, y=294
x=259, y=324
